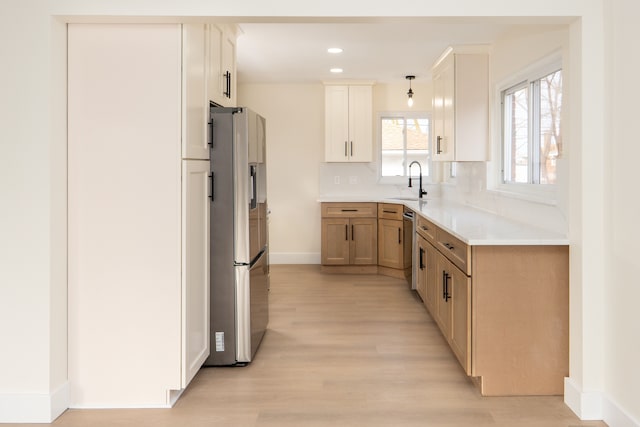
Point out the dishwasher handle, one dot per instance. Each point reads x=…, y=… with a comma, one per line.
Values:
x=408, y=216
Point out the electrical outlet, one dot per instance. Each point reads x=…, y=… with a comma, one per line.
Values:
x=353, y=180
x=336, y=179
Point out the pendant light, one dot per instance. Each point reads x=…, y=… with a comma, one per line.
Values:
x=410, y=93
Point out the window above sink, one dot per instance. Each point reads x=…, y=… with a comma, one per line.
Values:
x=403, y=137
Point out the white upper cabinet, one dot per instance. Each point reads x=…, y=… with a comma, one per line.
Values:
x=221, y=64
x=461, y=105
x=348, y=123
x=194, y=100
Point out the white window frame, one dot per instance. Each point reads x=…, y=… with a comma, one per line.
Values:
x=395, y=180
x=542, y=193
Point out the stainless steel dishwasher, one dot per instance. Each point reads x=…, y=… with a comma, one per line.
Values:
x=409, y=227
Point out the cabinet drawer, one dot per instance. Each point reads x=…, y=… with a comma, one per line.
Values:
x=426, y=229
x=455, y=249
x=390, y=211
x=349, y=210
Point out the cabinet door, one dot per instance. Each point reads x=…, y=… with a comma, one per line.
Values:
x=336, y=123
x=214, y=64
x=438, y=116
x=336, y=238
x=360, y=124
x=194, y=102
x=471, y=128
x=431, y=290
x=195, y=267
x=448, y=82
x=421, y=263
x=460, y=332
x=229, y=68
x=390, y=243
x=443, y=305
x=443, y=112
x=364, y=241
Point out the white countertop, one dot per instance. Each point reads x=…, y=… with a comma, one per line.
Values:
x=472, y=226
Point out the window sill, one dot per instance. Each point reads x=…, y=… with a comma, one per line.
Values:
x=544, y=197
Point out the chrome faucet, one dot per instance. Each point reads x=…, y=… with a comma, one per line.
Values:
x=421, y=192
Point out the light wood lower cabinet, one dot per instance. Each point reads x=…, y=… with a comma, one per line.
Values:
x=453, y=304
x=390, y=243
x=335, y=241
x=349, y=234
x=431, y=287
x=362, y=248
x=506, y=320
x=394, y=241
x=520, y=319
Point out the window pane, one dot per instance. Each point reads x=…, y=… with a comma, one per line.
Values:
x=418, y=143
x=516, y=135
x=550, y=130
x=392, y=145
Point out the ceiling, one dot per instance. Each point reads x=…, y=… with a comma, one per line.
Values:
x=384, y=51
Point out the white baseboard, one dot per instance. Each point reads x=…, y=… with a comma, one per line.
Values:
x=595, y=405
x=34, y=407
x=587, y=405
x=173, y=396
x=615, y=416
x=294, y=258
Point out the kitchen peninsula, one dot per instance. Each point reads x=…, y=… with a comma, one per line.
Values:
x=498, y=289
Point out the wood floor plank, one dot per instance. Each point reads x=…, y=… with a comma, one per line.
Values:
x=341, y=350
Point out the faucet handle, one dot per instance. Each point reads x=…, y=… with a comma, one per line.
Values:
x=410, y=182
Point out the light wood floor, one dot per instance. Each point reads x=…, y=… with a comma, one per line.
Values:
x=341, y=350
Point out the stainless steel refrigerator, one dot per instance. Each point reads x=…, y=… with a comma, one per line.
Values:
x=239, y=238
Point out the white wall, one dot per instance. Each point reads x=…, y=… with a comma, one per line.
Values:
x=622, y=326
x=28, y=137
x=295, y=148
x=33, y=233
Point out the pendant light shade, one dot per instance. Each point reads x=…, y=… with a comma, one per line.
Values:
x=410, y=93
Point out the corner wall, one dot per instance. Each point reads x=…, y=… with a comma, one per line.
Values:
x=622, y=288
x=33, y=330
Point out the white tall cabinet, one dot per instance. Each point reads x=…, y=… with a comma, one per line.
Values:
x=138, y=212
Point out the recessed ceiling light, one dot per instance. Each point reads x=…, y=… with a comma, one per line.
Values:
x=334, y=50
x=336, y=70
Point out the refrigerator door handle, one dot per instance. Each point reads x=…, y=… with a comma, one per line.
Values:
x=254, y=187
x=212, y=180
